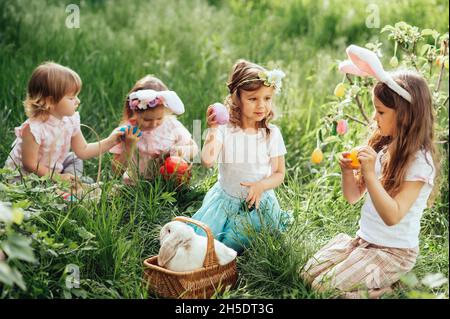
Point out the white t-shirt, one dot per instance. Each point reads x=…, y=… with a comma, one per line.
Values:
x=405, y=234
x=245, y=157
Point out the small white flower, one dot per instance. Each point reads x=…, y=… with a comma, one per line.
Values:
x=142, y=105
x=274, y=78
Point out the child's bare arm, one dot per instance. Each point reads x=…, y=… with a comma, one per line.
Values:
x=278, y=172
x=30, y=151
x=86, y=151
x=391, y=209
x=212, y=147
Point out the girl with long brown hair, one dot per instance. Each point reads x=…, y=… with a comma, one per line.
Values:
x=397, y=174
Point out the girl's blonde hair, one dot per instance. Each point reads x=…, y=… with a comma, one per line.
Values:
x=414, y=127
x=244, y=76
x=48, y=84
x=148, y=82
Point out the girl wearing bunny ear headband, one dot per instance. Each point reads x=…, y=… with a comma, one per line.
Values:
x=151, y=127
x=397, y=176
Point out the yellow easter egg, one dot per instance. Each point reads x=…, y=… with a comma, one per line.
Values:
x=339, y=91
x=317, y=156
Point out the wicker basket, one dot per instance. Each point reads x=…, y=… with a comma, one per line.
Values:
x=200, y=283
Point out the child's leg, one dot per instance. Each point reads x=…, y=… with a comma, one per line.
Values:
x=371, y=268
x=334, y=252
x=73, y=165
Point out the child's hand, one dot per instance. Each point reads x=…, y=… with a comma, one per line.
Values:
x=177, y=151
x=130, y=139
x=255, y=192
x=67, y=177
x=211, y=117
x=367, y=156
x=345, y=162
x=115, y=136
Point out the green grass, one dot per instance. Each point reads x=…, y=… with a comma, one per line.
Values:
x=191, y=46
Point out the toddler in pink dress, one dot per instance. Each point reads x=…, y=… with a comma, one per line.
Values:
x=151, y=107
x=44, y=140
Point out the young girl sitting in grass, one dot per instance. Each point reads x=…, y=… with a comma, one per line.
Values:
x=151, y=107
x=43, y=141
x=397, y=171
x=251, y=162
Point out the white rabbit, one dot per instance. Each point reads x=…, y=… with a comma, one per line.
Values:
x=183, y=250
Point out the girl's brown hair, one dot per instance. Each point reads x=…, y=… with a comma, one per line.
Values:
x=244, y=77
x=148, y=82
x=414, y=129
x=48, y=84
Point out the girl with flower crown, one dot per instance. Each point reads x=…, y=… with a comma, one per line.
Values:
x=250, y=153
x=397, y=173
x=43, y=141
x=150, y=107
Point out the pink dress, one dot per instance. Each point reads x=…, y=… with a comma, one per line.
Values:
x=158, y=141
x=54, y=138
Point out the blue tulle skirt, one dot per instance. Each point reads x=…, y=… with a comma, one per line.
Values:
x=233, y=223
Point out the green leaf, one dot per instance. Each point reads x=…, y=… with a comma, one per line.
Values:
x=19, y=247
x=10, y=276
x=24, y=204
x=80, y=293
x=426, y=32
x=67, y=294
x=85, y=234
x=5, y=273
x=387, y=28
x=424, y=49
x=334, y=128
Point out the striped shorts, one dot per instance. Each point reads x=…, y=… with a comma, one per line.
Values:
x=354, y=265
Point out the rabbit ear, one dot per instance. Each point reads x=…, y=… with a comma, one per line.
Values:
x=347, y=66
x=169, y=248
x=368, y=62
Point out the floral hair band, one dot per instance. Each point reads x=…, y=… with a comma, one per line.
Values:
x=146, y=99
x=270, y=78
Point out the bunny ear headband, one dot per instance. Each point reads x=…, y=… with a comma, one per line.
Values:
x=364, y=62
x=144, y=99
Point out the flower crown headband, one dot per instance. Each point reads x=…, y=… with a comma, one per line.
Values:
x=145, y=99
x=271, y=78
x=364, y=62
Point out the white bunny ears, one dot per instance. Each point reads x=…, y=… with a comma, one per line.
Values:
x=144, y=99
x=364, y=62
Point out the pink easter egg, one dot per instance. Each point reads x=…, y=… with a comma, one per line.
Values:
x=221, y=113
x=342, y=127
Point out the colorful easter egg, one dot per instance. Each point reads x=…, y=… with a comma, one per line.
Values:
x=221, y=113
